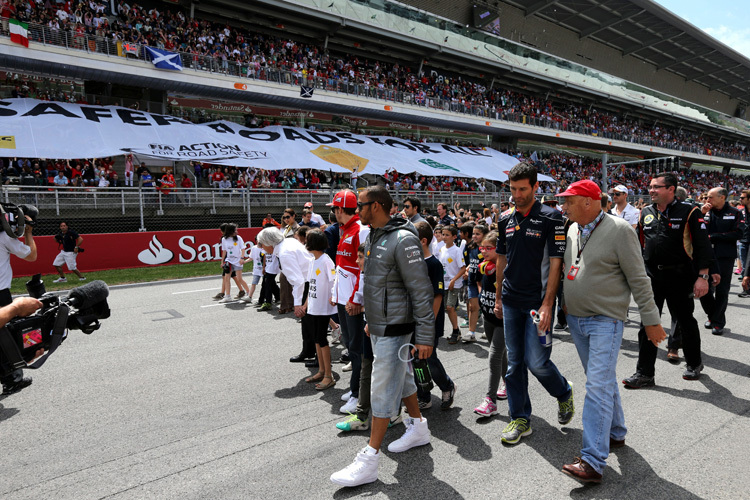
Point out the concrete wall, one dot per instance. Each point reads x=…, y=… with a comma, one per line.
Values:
x=562, y=42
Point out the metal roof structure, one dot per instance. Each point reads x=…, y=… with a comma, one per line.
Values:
x=647, y=31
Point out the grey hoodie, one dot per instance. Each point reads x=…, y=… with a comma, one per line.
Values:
x=397, y=290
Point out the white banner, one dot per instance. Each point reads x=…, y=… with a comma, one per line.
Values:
x=39, y=129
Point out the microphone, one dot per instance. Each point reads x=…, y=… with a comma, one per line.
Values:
x=88, y=295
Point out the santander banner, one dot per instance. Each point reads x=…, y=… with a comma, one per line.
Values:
x=128, y=250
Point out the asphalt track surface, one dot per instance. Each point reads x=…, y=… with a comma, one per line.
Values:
x=177, y=397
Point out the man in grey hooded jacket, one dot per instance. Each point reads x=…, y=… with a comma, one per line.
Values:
x=398, y=303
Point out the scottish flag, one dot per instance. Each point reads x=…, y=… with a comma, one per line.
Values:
x=163, y=59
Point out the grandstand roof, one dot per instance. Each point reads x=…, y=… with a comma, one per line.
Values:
x=648, y=31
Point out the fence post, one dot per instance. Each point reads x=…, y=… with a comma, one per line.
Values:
x=122, y=193
x=140, y=206
x=249, y=212
x=161, y=209
x=57, y=203
x=213, y=202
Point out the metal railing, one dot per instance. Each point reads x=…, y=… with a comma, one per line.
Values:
x=71, y=40
x=130, y=209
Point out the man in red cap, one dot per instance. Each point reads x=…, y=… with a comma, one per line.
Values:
x=345, y=294
x=602, y=253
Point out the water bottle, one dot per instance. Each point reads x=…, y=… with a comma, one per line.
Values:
x=422, y=374
x=545, y=338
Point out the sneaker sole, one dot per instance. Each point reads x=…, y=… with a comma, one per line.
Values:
x=647, y=384
x=351, y=484
x=352, y=429
x=527, y=432
x=423, y=442
x=486, y=415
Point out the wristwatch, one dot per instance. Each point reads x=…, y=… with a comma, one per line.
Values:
x=704, y=276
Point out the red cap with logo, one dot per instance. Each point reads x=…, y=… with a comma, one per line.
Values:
x=587, y=188
x=344, y=199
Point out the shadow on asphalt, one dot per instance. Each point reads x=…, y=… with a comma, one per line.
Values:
x=6, y=413
x=717, y=395
x=637, y=480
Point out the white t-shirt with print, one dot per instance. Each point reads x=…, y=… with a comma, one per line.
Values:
x=234, y=249
x=322, y=275
x=452, y=261
x=256, y=254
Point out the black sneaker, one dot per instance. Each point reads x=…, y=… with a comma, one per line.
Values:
x=560, y=327
x=717, y=330
x=447, y=400
x=707, y=325
x=637, y=380
x=566, y=409
x=743, y=295
x=345, y=357
x=15, y=387
x=455, y=337
x=692, y=373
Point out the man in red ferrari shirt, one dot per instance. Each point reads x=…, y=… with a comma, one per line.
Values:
x=344, y=293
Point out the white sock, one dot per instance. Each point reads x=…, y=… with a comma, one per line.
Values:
x=369, y=450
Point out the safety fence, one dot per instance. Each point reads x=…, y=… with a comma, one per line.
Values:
x=132, y=209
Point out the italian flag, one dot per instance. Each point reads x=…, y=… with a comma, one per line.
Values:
x=19, y=32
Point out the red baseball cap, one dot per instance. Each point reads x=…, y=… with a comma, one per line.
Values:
x=344, y=199
x=587, y=188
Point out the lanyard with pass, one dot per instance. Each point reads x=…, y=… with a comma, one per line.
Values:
x=573, y=272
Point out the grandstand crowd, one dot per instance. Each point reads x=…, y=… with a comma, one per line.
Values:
x=291, y=61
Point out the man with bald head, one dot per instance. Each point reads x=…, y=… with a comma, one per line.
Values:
x=725, y=226
x=602, y=253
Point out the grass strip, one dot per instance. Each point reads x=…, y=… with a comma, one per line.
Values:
x=123, y=276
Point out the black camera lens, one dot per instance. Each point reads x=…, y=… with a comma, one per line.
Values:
x=35, y=286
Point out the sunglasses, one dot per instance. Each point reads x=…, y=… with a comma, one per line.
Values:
x=285, y=217
x=361, y=205
x=482, y=249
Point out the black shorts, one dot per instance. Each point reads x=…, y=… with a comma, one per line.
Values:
x=316, y=327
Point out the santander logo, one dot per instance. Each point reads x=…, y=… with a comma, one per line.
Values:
x=155, y=253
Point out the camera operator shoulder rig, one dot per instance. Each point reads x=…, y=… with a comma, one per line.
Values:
x=48, y=327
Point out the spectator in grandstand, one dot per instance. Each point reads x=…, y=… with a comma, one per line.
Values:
x=61, y=180
x=612, y=264
x=129, y=170
x=269, y=220
x=70, y=243
x=115, y=181
x=675, y=274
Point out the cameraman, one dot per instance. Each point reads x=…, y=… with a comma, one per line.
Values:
x=15, y=381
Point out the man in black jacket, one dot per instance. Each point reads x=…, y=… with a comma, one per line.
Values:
x=675, y=242
x=725, y=226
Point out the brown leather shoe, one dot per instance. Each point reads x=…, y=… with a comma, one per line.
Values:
x=582, y=471
x=673, y=355
x=616, y=443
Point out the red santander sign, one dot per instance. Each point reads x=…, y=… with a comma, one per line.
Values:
x=128, y=250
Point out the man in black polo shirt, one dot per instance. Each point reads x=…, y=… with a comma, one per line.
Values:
x=530, y=248
x=70, y=241
x=443, y=218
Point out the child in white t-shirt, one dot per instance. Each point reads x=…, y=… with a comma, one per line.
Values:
x=452, y=260
x=318, y=307
x=232, y=260
x=256, y=255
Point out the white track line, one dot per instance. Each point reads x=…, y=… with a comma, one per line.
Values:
x=223, y=303
x=193, y=291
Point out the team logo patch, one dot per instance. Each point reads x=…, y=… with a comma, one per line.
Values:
x=560, y=237
x=648, y=219
x=450, y=261
x=317, y=272
x=440, y=285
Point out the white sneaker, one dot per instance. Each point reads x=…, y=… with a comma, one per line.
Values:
x=347, y=367
x=417, y=434
x=226, y=299
x=60, y=280
x=345, y=397
x=247, y=299
x=82, y=278
x=336, y=335
x=363, y=470
x=469, y=337
x=350, y=406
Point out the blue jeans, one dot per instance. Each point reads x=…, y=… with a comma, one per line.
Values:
x=525, y=351
x=391, y=380
x=353, y=331
x=598, y=339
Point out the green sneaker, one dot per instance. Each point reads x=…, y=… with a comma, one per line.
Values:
x=353, y=423
x=566, y=409
x=265, y=307
x=515, y=430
